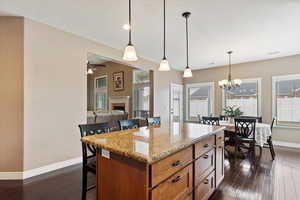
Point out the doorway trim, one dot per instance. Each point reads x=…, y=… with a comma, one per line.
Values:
x=170, y=101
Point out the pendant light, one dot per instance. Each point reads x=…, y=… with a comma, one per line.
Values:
x=130, y=53
x=90, y=70
x=164, y=64
x=229, y=83
x=187, y=72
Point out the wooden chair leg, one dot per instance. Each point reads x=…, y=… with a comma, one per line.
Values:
x=253, y=153
x=271, y=148
x=84, y=184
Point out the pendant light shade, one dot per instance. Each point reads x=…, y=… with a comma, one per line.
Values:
x=129, y=52
x=187, y=72
x=164, y=64
x=90, y=71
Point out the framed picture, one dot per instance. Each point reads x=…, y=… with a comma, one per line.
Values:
x=118, y=81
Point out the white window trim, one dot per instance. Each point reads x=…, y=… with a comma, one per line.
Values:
x=274, y=108
x=187, y=86
x=259, y=97
x=95, y=98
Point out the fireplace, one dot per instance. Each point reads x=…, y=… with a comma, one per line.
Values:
x=119, y=103
x=118, y=106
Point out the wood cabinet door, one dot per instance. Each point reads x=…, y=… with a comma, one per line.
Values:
x=219, y=159
x=177, y=187
x=206, y=187
x=204, y=165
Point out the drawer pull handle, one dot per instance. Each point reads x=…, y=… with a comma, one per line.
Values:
x=176, y=163
x=206, y=145
x=220, y=147
x=206, y=181
x=220, y=138
x=175, y=180
x=205, y=157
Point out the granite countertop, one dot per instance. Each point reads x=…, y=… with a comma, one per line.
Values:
x=152, y=144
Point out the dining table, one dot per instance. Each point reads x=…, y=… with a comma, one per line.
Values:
x=262, y=131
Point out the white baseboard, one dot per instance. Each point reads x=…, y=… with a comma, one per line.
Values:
x=11, y=175
x=286, y=144
x=38, y=171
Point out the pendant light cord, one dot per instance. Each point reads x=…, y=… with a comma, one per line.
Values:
x=164, y=29
x=229, y=76
x=187, y=42
x=130, y=26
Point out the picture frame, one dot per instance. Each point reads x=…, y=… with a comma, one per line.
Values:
x=118, y=81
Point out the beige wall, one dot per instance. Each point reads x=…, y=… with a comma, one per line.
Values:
x=110, y=68
x=56, y=90
x=11, y=92
x=262, y=69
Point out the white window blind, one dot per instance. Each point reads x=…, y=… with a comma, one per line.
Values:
x=199, y=100
x=101, y=93
x=246, y=97
x=286, y=100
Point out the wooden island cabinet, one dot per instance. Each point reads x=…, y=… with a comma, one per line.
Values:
x=158, y=164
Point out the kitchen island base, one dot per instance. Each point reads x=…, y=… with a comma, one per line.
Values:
x=192, y=173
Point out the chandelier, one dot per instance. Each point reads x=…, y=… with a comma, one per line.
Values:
x=229, y=84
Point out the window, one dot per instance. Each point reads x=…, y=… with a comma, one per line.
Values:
x=141, y=94
x=199, y=100
x=101, y=93
x=246, y=97
x=286, y=100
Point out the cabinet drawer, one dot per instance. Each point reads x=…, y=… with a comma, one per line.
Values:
x=220, y=139
x=168, y=166
x=204, y=145
x=176, y=187
x=205, y=188
x=204, y=165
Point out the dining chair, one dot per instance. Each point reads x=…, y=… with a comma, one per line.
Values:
x=128, y=124
x=89, y=152
x=245, y=135
x=269, y=143
x=258, y=119
x=211, y=120
x=153, y=121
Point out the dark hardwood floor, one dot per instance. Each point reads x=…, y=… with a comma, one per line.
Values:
x=267, y=180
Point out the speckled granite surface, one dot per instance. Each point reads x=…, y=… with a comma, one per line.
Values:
x=152, y=144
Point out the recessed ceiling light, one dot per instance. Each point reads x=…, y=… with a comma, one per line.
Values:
x=126, y=27
x=274, y=52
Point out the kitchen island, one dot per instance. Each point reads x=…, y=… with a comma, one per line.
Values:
x=184, y=162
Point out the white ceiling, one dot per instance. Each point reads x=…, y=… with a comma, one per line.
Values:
x=252, y=29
